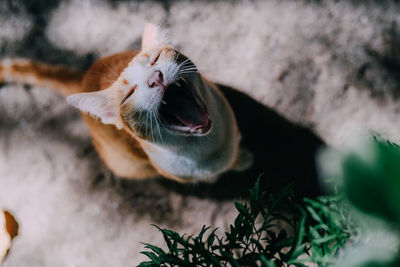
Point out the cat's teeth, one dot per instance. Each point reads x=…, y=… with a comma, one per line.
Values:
x=162, y=101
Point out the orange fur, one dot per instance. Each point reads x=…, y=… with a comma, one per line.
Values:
x=119, y=150
x=63, y=80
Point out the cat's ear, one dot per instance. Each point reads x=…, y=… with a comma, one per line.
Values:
x=101, y=104
x=154, y=36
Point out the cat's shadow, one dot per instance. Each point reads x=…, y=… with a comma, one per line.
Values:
x=283, y=151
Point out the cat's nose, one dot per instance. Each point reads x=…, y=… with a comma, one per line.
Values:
x=156, y=79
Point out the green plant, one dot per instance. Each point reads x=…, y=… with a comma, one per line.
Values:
x=314, y=231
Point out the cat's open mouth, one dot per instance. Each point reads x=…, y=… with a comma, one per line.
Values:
x=182, y=110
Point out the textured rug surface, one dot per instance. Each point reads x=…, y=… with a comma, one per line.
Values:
x=331, y=66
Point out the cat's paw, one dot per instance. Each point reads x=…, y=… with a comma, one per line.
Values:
x=245, y=160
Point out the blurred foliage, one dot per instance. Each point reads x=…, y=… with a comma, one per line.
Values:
x=372, y=182
x=370, y=179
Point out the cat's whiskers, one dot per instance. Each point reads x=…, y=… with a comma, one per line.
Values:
x=188, y=70
x=191, y=68
x=164, y=126
x=185, y=64
x=187, y=67
x=203, y=67
x=182, y=63
x=158, y=121
x=141, y=123
x=176, y=56
x=146, y=125
x=151, y=125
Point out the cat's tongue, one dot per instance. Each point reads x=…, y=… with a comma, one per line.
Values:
x=183, y=110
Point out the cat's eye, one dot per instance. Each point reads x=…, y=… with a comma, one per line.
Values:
x=155, y=59
x=129, y=93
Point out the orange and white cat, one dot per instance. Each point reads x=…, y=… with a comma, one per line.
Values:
x=157, y=115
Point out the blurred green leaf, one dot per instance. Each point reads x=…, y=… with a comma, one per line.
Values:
x=371, y=180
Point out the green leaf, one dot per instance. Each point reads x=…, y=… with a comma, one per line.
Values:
x=203, y=230
x=242, y=209
x=314, y=214
x=210, y=239
x=151, y=255
x=299, y=251
x=267, y=263
x=148, y=264
x=324, y=239
x=157, y=250
x=230, y=259
x=372, y=180
x=282, y=217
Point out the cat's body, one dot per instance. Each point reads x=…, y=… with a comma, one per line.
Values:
x=196, y=138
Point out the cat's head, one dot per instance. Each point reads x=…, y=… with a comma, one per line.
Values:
x=159, y=93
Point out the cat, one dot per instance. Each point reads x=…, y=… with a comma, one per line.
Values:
x=149, y=112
